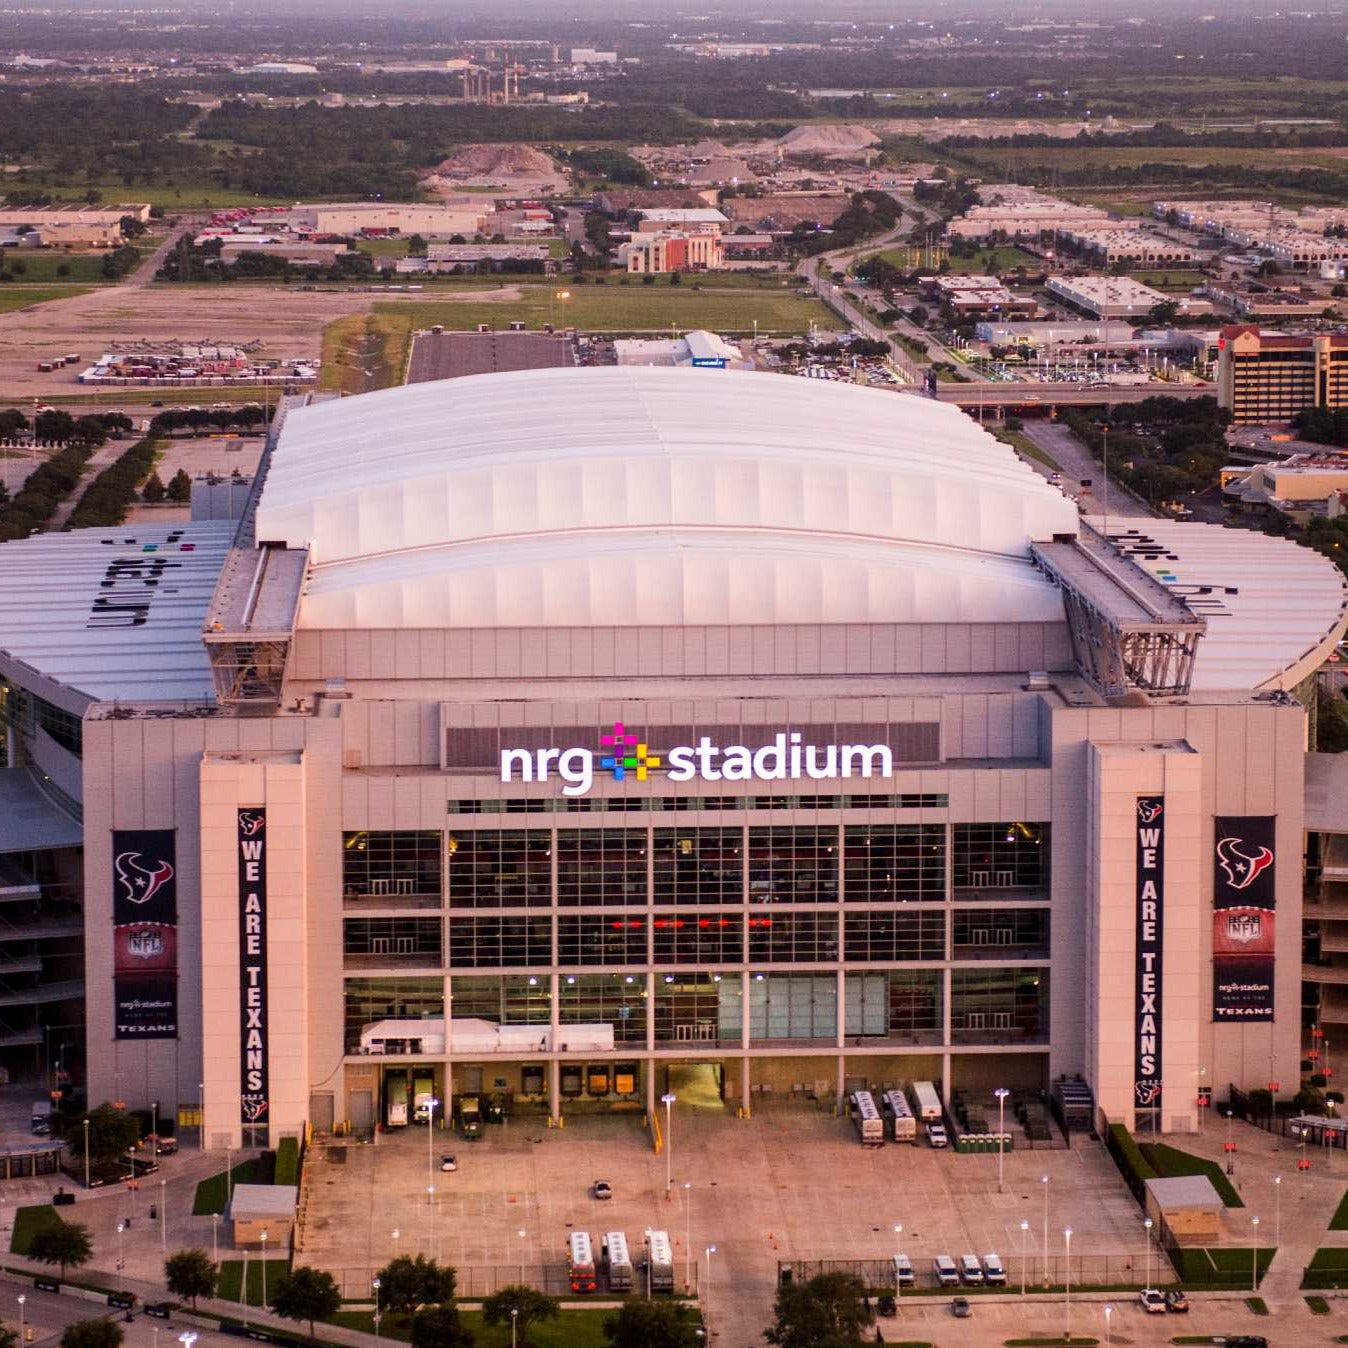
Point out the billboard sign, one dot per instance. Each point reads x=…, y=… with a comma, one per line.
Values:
x=1149, y=928
x=1244, y=909
x=145, y=934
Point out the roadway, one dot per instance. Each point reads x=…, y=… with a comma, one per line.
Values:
x=1022, y=394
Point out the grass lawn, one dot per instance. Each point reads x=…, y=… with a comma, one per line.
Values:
x=1023, y=445
x=384, y=247
x=42, y=266
x=1006, y=257
x=20, y=297
x=614, y=308
x=1317, y=1305
x=211, y=1194
x=1339, y=1222
x=231, y=1278
x=574, y=1328
x=28, y=1222
x=367, y=351
x=1170, y=1162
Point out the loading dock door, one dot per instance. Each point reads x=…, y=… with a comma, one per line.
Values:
x=321, y=1112
x=362, y=1111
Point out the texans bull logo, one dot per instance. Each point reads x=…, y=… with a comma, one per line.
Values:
x=1149, y=811
x=140, y=883
x=1242, y=867
x=251, y=822
x=253, y=1109
x=1147, y=1092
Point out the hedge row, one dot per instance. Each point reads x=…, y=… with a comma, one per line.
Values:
x=287, y=1162
x=109, y=496
x=1133, y=1166
x=47, y=486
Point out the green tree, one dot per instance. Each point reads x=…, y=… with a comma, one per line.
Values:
x=440, y=1327
x=67, y=1245
x=111, y=1133
x=190, y=1274
x=416, y=246
x=408, y=1282
x=651, y=1324
x=153, y=490
x=9, y=1338
x=92, y=1334
x=525, y=1305
x=826, y=1312
x=180, y=488
x=307, y=1294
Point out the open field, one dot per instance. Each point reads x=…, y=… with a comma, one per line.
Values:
x=612, y=308
x=1072, y=157
x=1175, y=279
x=43, y=266
x=21, y=297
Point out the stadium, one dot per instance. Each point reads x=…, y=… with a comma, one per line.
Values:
x=564, y=737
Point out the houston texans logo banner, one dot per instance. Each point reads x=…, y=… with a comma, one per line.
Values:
x=253, y=1066
x=1149, y=930
x=1244, y=901
x=145, y=934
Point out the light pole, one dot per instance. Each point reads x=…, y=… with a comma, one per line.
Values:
x=1043, y=1179
x=121, y=1262
x=243, y=1286
x=898, y=1254
x=87, y=1184
x=430, y=1142
x=201, y=1116
x=1277, y=1209
x=215, y=1237
x=378, y=1314
x=1001, y=1093
x=688, y=1235
x=264, y=1268
x=1109, y=1310
x=430, y=1206
x=1254, y=1256
x=514, y=1317
x=706, y=1295
x=229, y=1175
x=187, y=1339
x=1024, y=1260
x=23, y=1299
x=648, y=1263
x=1067, y=1279
x=521, y=1233
x=396, y=1234
x=163, y=1215
x=668, y=1100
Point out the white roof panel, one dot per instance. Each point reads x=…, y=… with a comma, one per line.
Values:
x=1274, y=609
x=798, y=500
x=115, y=614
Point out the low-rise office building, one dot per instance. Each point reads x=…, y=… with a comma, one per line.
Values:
x=672, y=251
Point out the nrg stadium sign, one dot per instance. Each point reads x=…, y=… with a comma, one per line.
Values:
x=623, y=756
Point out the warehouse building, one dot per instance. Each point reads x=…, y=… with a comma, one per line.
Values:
x=799, y=735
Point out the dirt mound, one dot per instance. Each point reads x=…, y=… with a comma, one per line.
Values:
x=482, y=160
x=830, y=140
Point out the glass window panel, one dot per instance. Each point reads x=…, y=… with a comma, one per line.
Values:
x=371, y=999
x=491, y=942
x=500, y=868
x=1000, y=856
x=885, y=863
x=699, y=865
x=698, y=938
x=618, y=1000
x=786, y=937
x=895, y=936
x=386, y=863
x=602, y=867
x=997, y=1005
x=597, y=938
x=793, y=864
x=990, y=933
x=697, y=1007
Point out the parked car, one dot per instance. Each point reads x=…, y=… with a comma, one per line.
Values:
x=602, y=1190
x=166, y=1146
x=1151, y=1301
x=449, y=1163
x=961, y=1308
x=885, y=1304
x=1176, y=1301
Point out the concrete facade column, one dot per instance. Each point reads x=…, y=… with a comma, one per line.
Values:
x=555, y=1036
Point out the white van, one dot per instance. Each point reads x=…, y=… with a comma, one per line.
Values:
x=943, y=1266
x=903, y=1271
x=993, y=1272
x=971, y=1271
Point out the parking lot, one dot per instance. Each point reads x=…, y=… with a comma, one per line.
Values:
x=791, y=1184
